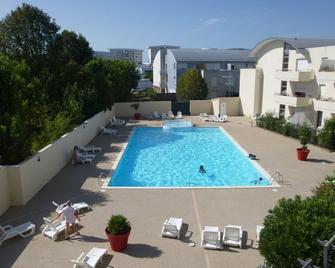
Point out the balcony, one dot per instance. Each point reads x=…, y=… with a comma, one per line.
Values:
x=293, y=101
x=326, y=76
x=324, y=105
x=295, y=75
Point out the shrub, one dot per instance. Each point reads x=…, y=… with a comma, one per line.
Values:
x=327, y=187
x=293, y=227
x=326, y=137
x=151, y=94
x=305, y=133
x=118, y=224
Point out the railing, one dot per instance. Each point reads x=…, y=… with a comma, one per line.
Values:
x=293, y=70
x=329, y=99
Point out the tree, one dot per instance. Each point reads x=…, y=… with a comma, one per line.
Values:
x=191, y=86
x=26, y=33
x=327, y=134
x=293, y=227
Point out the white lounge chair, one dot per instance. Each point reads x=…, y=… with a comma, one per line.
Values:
x=91, y=259
x=24, y=230
x=83, y=159
x=90, y=148
x=86, y=155
x=108, y=131
x=223, y=118
x=172, y=227
x=164, y=116
x=259, y=228
x=179, y=115
x=156, y=115
x=232, y=235
x=117, y=122
x=204, y=117
x=53, y=228
x=211, y=238
x=170, y=115
x=77, y=206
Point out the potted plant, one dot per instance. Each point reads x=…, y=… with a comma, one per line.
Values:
x=117, y=231
x=135, y=106
x=304, y=136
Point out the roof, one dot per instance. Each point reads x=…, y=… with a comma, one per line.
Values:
x=299, y=44
x=163, y=46
x=212, y=55
x=127, y=49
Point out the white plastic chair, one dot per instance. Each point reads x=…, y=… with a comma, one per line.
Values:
x=179, y=115
x=211, y=238
x=170, y=115
x=24, y=230
x=91, y=259
x=53, y=228
x=90, y=148
x=156, y=115
x=232, y=235
x=117, y=122
x=164, y=116
x=172, y=227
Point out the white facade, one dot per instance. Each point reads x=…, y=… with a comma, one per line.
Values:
x=288, y=80
x=153, y=50
x=128, y=54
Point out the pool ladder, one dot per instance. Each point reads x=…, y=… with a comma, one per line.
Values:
x=277, y=176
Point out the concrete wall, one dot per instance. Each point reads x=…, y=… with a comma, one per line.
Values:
x=123, y=109
x=171, y=71
x=27, y=178
x=4, y=190
x=201, y=106
x=233, y=105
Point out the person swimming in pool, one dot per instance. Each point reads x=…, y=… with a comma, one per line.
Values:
x=259, y=181
x=202, y=170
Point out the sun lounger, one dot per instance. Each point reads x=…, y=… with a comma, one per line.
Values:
x=164, y=116
x=53, y=228
x=24, y=230
x=232, y=235
x=172, y=227
x=91, y=259
x=179, y=115
x=211, y=238
x=259, y=228
x=204, y=117
x=117, y=122
x=90, y=148
x=86, y=155
x=156, y=115
x=77, y=206
x=108, y=131
x=170, y=115
x=83, y=159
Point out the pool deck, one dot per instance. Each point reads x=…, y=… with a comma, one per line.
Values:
x=147, y=209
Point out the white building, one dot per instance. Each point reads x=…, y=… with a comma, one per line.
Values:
x=153, y=50
x=128, y=54
x=294, y=79
x=220, y=69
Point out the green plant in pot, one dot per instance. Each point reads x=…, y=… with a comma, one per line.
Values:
x=304, y=137
x=117, y=231
x=135, y=106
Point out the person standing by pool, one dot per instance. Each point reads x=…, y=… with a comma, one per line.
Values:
x=202, y=170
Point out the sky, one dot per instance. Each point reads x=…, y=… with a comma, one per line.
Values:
x=187, y=23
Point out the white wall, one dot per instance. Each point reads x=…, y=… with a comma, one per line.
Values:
x=233, y=105
x=171, y=70
x=201, y=106
x=27, y=178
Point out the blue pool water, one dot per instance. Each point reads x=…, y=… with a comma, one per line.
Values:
x=171, y=158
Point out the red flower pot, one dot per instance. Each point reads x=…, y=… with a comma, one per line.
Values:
x=302, y=154
x=137, y=116
x=118, y=242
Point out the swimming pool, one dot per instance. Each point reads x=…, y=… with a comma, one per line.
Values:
x=155, y=157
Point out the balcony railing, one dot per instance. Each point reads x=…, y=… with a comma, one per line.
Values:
x=324, y=104
x=295, y=75
x=293, y=101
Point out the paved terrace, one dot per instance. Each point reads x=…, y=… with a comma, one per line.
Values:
x=147, y=209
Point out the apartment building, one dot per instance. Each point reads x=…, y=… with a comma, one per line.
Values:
x=153, y=50
x=128, y=54
x=219, y=67
x=293, y=78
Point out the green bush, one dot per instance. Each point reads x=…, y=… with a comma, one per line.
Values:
x=327, y=187
x=304, y=133
x=118, y=224
x=326, y=137
x=151, y=94
x=293, y=227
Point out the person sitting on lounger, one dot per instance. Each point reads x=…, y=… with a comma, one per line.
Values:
x=202, y=170
x=70, y=215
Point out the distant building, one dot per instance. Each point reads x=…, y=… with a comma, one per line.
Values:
x=128, y=54
x=153, y=50
x=220, y=69
x=294, y=78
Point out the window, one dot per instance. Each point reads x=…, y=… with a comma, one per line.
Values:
x=213, y=66
x=302, y=65
x=318, y=118
x=283, y=88
x=281, y=111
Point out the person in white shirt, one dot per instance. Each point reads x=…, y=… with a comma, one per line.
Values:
x=70, y=215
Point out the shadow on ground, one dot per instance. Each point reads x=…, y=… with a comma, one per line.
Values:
x=142, y=251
